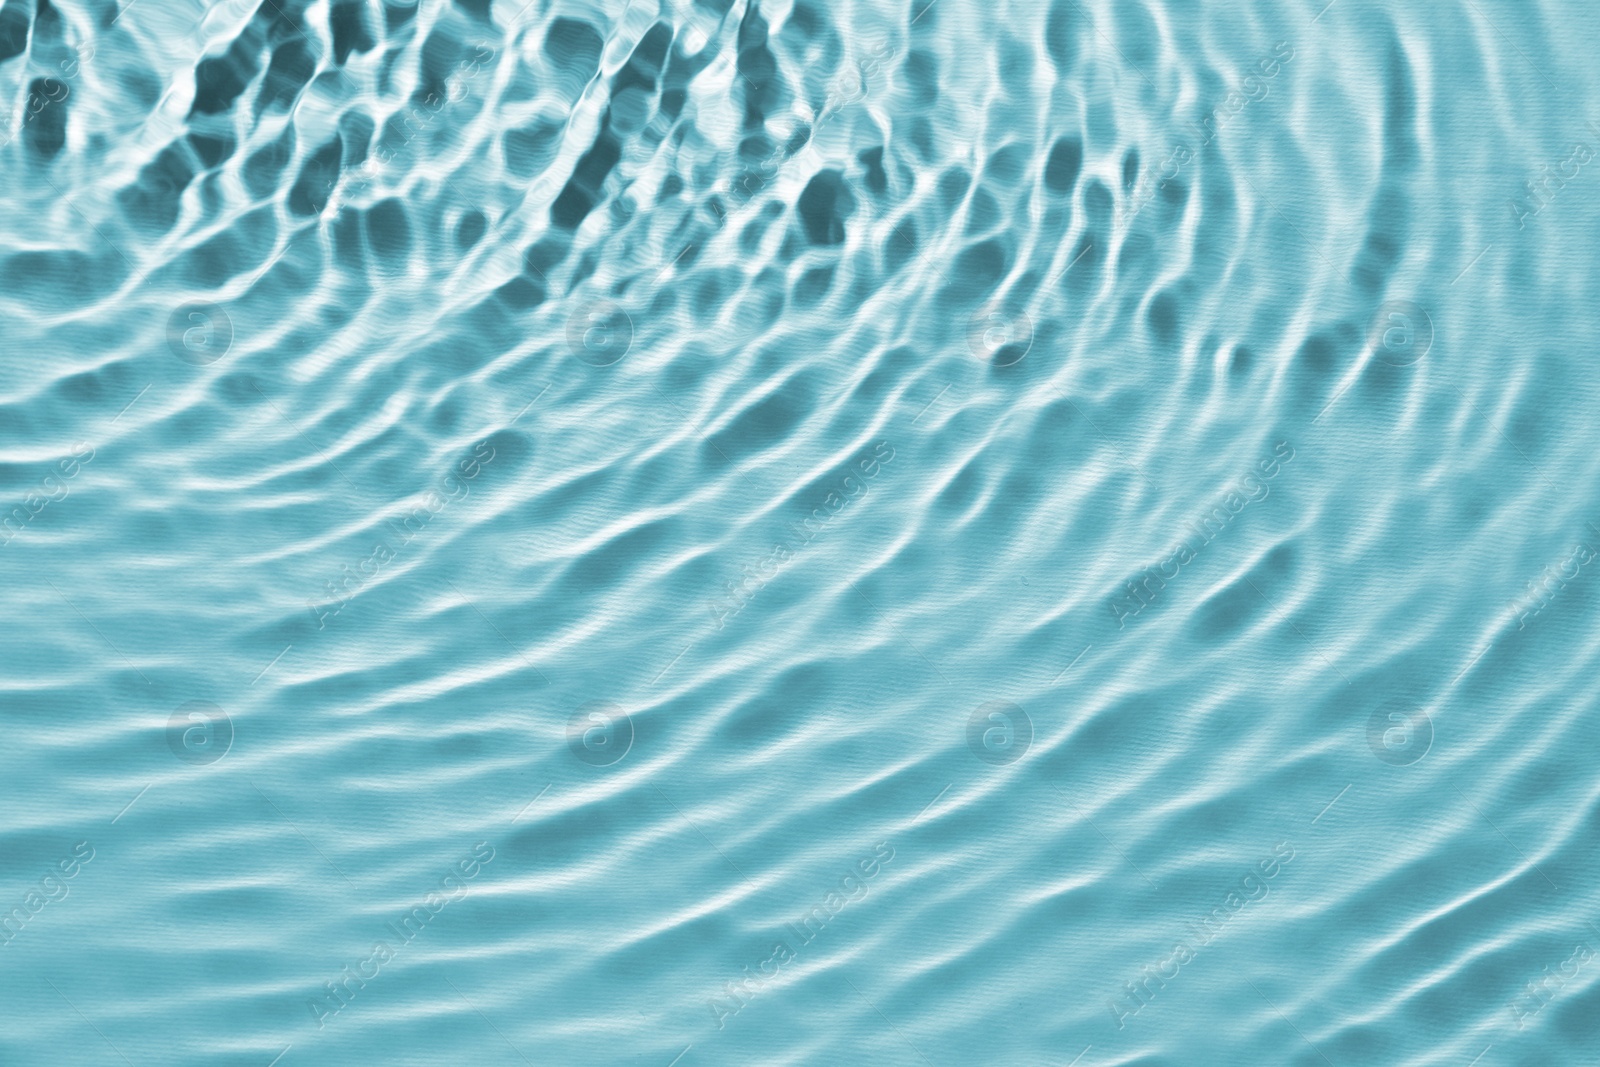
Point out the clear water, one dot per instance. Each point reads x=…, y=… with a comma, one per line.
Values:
x=820, y=533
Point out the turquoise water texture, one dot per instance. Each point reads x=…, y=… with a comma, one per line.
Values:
x=688, y=532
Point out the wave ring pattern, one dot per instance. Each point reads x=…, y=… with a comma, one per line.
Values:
x=729, y=531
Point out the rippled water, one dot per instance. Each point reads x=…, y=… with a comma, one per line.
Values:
x=718, y=533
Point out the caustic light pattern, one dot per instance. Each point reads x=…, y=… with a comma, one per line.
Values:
x=909, y=532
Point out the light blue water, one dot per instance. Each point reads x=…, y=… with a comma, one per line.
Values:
x=857, y=533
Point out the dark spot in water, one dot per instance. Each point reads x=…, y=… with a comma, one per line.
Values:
x=1318, y=353
x=318, y=176
x=984, y=212
x=1243, y=359
x=797, y=696
x=686, y=254
x=797, y=140
x=750, y=237
x=13, y=29
x=503, y=449
x=389, y=230
x=522, y=86
x=900, y=245
x=545, y=254
x=41, y=276
x=92, y=387
x=521, y=293
x=470, y=229
x=443, y=54
x=1139, y=259
x=762, y=424
x=1388, y=227
x=664, y=304
x=756, y=156
x=573, y=48
x=757, y=70
x=585, y=268
x=823, y=206
x=1097, y=203
x=282, y=20
x=963, y=489
x=1321, y=357
x=1060, y=37
x=1137, y=35
x=1086, y=259
x=1013, y=500
x=396, y=13
x=643, y=68
x=292, y=275
x=1007, y=164
x=609, y=564
x=531, y=148
x=1238, y=604
x=264, y=168
x=875, y=178
x=793, y=244
x=763, y=303
x=1164, y=317
x=1381, y=382
x=151, y=202
x=711, y=290
x=922, y=139
x=1399, y=115
x=44, y=129
x=355, y=133
x=447, y=415
x=290, y=69
x=813, y=286
x=922, y=77
x=347, y=21
x=977, y=270
x=1062, y=167
x=347, y=239
x=218, y=80
x=953, y=185
x=892, y=369
x=211, y=149
x=1130, y=169
x=681, y=70
x=243, y=246
x=562, y=839
x=582, y=191
x=139, y=88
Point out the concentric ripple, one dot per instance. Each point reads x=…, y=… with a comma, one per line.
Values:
x=769, y=531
